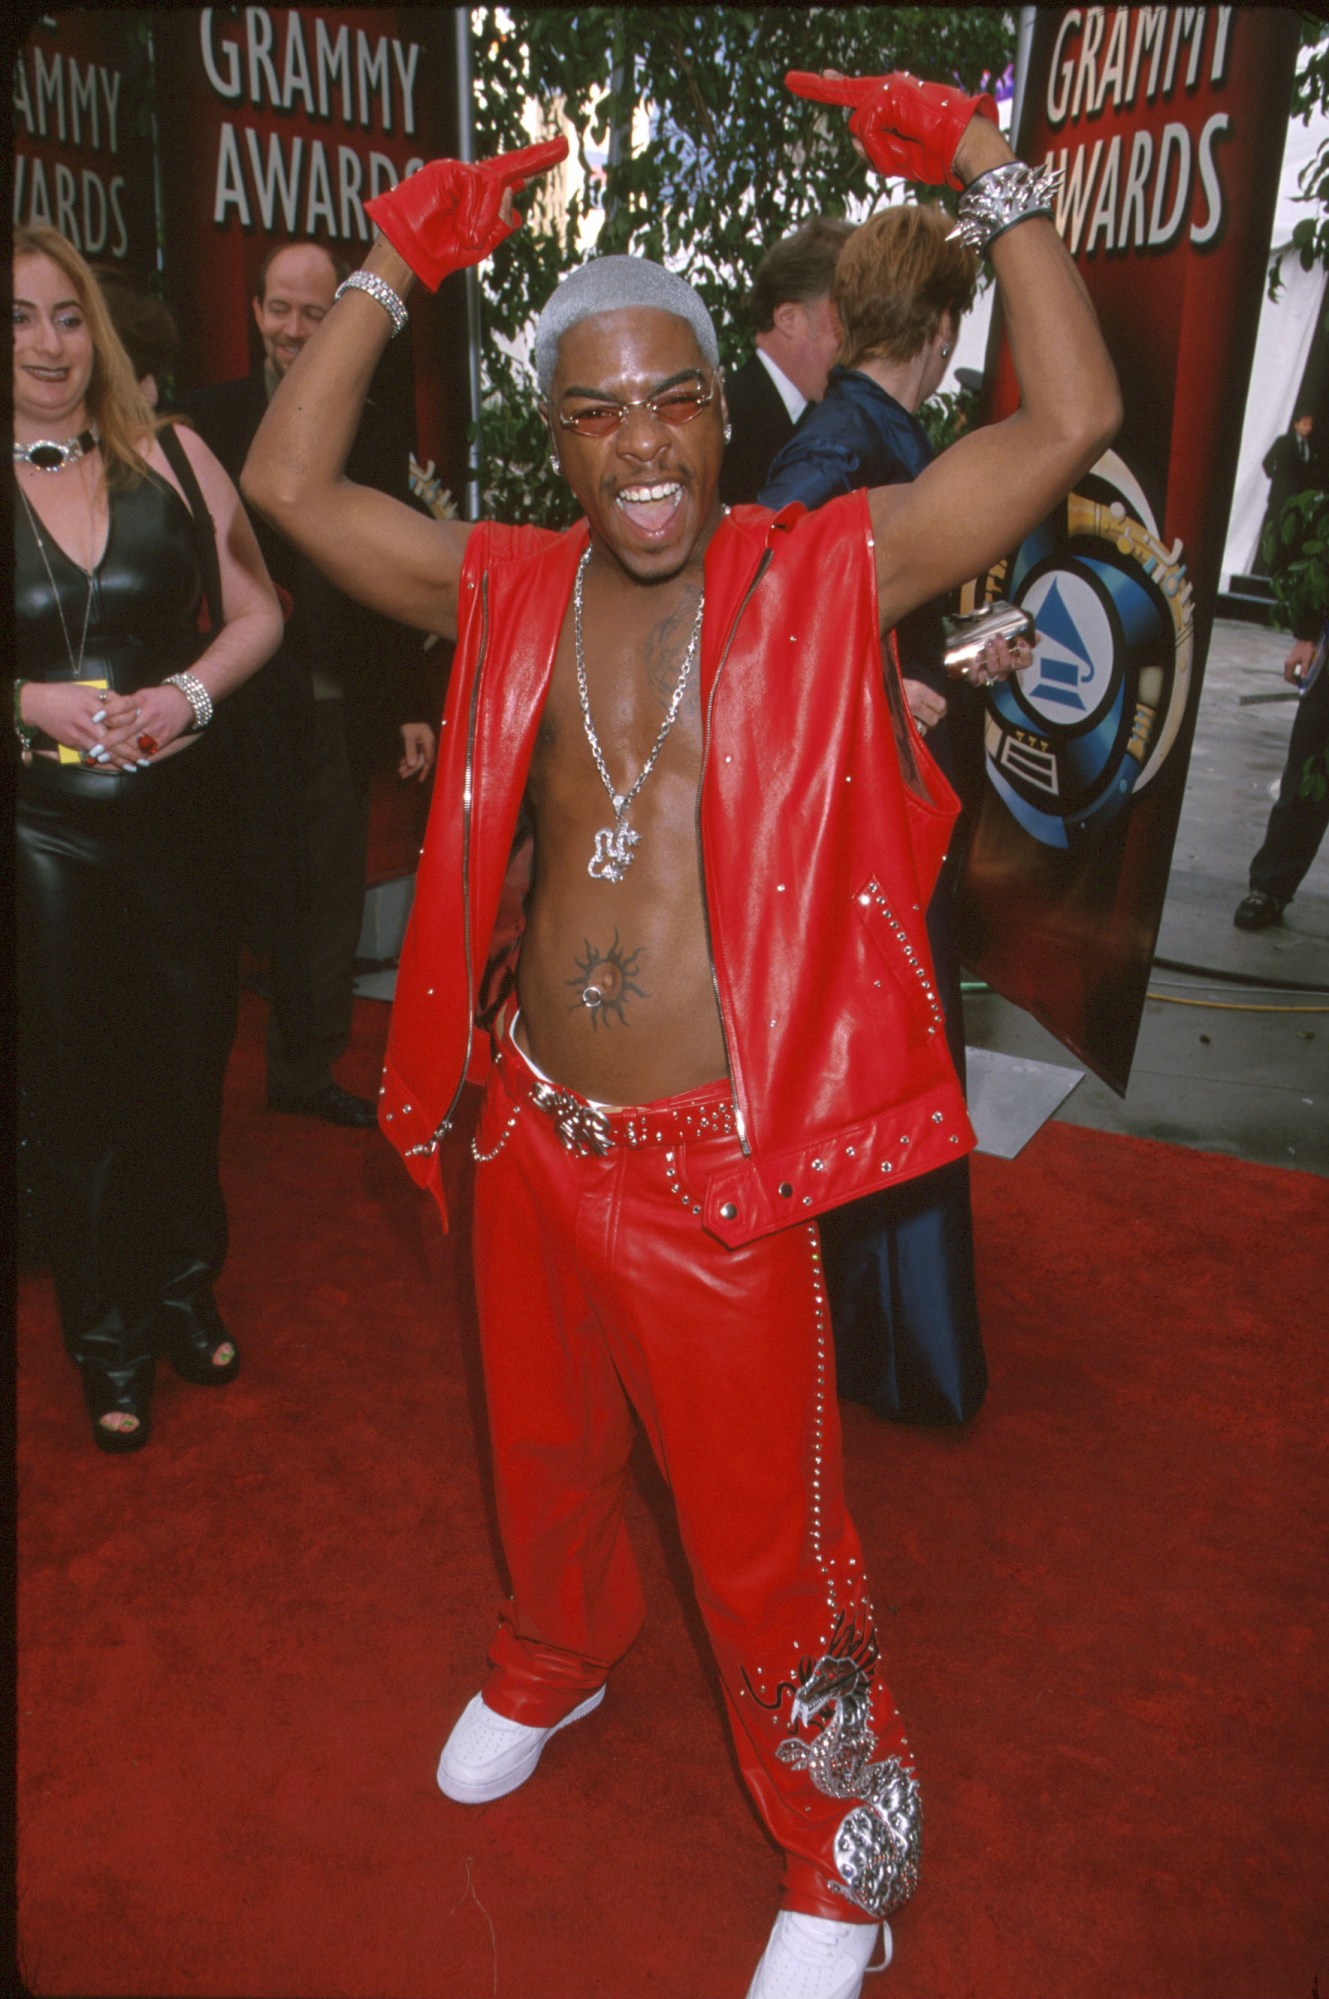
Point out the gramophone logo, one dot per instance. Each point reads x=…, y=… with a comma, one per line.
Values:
x=1070, y=742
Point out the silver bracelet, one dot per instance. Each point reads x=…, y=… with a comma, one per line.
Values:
x=1000, y=198
x=377, y=288
x=25, y=731
x=196, y=694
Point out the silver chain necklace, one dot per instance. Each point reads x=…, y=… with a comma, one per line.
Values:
x=77, y=664
x=614, y=844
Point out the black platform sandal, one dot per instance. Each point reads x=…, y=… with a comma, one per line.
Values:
x=118, y=1392
x=190, y=1344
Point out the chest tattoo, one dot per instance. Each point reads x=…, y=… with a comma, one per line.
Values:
x=663, y=647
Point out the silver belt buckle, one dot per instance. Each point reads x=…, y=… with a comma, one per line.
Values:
x=581, y=1128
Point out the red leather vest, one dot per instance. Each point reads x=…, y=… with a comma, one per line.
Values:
x=823, y=823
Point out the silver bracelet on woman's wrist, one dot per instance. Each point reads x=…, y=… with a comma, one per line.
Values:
x=25, y=731
x=996, y=200
x=377, y=288
x=196, y=694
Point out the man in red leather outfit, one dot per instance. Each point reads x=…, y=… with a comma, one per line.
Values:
x=723, y=1021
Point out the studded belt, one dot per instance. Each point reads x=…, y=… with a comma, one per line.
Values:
x=586, y=1127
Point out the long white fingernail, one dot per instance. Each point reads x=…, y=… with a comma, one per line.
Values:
x=100, y=715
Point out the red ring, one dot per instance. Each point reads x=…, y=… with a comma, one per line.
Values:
x=148, y=744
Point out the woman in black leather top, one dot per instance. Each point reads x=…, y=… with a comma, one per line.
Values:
x=127, y=956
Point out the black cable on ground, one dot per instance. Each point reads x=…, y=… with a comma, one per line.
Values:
x=1207, y=972
x=1241, y=978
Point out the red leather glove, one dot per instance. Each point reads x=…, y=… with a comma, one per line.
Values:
x=905, y=127
x=446, y=215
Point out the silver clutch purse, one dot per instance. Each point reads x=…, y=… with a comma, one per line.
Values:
x=969, y=632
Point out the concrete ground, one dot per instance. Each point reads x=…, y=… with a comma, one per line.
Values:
x=1233, y=1054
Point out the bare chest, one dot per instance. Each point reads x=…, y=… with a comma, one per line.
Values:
x=620, y=734
x=615, y=980
x=619, y=744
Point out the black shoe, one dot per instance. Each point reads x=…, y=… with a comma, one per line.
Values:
x=333, y=1104
x=1258, y=911
x=118, y=1392
x=189, y=1345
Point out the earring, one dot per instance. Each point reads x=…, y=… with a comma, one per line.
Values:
x=728, y=430
x=553, y=460
x=946, y=353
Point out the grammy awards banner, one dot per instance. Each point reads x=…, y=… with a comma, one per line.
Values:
x=184, y=144
x=82, y=159
x=279, y=123
x=1168, y=124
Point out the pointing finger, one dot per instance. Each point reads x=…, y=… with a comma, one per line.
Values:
x=514, y=169
x=848, y=90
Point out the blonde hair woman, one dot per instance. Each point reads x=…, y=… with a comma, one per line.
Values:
x=127, y=971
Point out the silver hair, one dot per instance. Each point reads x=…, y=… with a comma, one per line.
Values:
x=607, y=284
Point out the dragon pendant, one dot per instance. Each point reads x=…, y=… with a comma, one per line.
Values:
x=879, y=1843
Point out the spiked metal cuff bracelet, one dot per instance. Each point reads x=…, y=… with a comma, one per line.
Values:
x=1000, y=198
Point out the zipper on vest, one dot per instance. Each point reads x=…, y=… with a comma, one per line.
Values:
x=444, y=1124
x=705, y=904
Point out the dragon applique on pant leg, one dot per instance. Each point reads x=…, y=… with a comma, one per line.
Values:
x=879, y=1843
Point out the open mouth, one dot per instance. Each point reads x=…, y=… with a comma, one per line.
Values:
x=650, y=506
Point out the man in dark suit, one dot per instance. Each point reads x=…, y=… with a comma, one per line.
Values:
x=798, y=338
x=1300, y=817
x=1292, y=464
x=306, y=733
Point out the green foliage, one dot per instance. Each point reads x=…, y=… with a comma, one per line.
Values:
x=1310, y=236
x=1296, y=554
x=733, y=162
x=946, y=416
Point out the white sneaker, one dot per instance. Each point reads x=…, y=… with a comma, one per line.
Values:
x=814, y=1957
x=486, y=1755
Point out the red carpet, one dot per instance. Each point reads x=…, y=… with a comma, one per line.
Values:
x=240, y=1650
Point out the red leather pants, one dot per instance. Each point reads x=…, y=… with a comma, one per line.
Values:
x=600, y=1293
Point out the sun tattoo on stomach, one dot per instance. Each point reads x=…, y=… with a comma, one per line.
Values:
x=605, y=980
